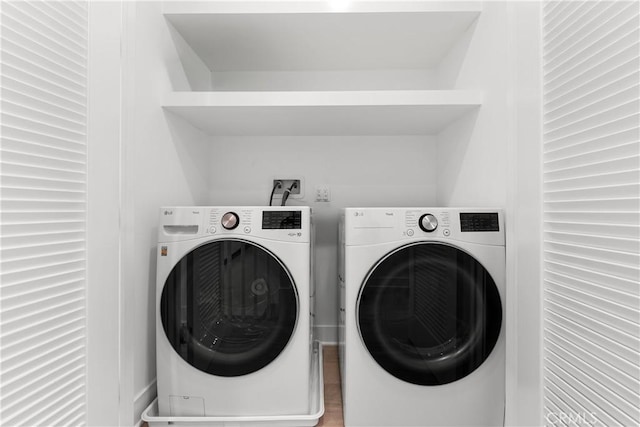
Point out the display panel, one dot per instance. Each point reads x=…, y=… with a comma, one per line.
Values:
x=479, y=221
x=281, y=220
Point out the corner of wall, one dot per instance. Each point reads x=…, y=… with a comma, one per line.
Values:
x=524, y=204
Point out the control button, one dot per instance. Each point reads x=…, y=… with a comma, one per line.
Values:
x=446, y=232
x=428, y=223
x=230, y=220
x=212, y=230
x=409, y=232
x=247, y=229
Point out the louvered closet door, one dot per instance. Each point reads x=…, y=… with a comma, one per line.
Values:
x=43, y=289
x=591, y=213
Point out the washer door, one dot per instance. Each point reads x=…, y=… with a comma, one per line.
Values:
x=429, y=313
x=229, y=307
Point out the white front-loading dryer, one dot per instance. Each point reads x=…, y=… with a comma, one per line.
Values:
x=421, y=333
x=233, y=311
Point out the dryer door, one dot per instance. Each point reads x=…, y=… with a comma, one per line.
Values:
x=429, y=313
x=229, y=307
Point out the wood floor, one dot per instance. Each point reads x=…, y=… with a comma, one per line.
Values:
x=332, y=390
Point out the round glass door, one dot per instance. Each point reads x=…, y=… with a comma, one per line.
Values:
x=229, y=307
x=429, y=313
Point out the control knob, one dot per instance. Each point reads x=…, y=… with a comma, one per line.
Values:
x=230, y=220
x=428, y=223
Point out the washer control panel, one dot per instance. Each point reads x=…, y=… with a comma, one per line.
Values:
x=291, y=224
x=248, y=221
x=428, y=222
x=221, y=220
x=419, y=222
x=230, y=220
x=281, y=220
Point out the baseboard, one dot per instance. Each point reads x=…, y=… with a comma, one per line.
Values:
x=144, y=399
x=326, y=334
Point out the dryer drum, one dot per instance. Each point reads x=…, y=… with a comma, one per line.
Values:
x=429, y=313
x=229, y=307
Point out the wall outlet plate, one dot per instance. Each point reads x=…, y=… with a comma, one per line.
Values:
x=297, y=191
x=323, y=193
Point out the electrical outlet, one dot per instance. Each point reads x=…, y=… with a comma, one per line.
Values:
x=288, y=183
x=323, y=194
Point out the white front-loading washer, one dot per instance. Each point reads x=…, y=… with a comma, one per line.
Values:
x=233, y=311
x=422, y=308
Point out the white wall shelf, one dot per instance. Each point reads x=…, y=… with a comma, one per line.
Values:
x=303, y=52
x=327, y=35
x=412, y=112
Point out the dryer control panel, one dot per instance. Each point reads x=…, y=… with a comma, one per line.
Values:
x=379, y=225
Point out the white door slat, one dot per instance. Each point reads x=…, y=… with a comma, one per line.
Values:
x=595, y=217
x=40, y=87
x=588, y=274
x=617, y=245
x=622, y=370
x=21, y=134
x=595, y=46
x=596, y=119
x=52, y=150
x=15, y=255
x=616, y=353
x=570, y=21
x=617, y=99
x=611, y=263
x=624, y=310
x=39, y=100
x=619, y=328
x=42, y=375
x=617, y=163
x=34, y=17
x=624, y=137
x=611, y=390
x=66, y=319
x=590, y=400
x=607, y=27
x=597, y=229
x=569, y=103
x=605, y=179
x=617, y=66
x=21, y=33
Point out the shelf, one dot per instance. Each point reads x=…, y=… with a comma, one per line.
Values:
x=300, y=36
x=411, y=112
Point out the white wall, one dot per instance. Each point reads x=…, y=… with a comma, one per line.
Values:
x=165, y=163
x=524, y=209
x=359, y=170
x=472, y=153
x=103, y=220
